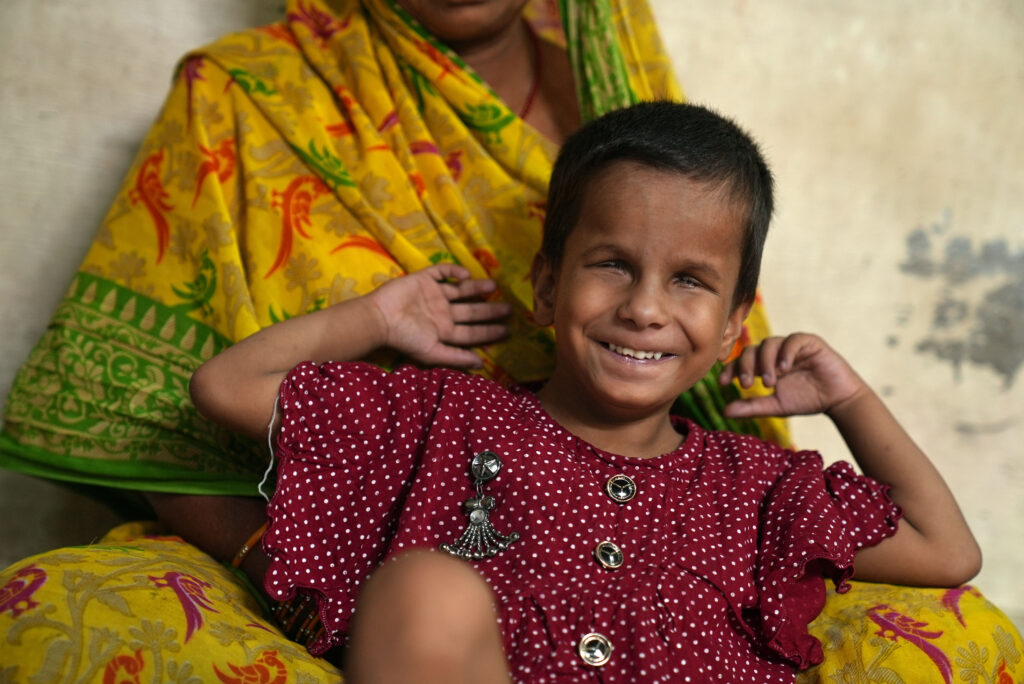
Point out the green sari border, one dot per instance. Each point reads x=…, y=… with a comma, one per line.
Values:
x=103, y=398
x=136, y=476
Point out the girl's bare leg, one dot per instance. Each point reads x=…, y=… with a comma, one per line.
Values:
x=425, y=617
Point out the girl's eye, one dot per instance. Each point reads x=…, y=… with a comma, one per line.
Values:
x=687, y=281
x=614, y=264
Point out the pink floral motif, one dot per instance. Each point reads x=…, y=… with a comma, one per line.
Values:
x=190, y=71
x=191, y=593
x=951, y=599
x=894, y=625
x=321, y=24
x=390, y=121
x=16, y=595
x=259, y=626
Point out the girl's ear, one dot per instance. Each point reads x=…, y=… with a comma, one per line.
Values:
x=733, y=330
x=542, y=275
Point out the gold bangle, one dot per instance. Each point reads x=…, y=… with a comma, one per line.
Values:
x=248, y=546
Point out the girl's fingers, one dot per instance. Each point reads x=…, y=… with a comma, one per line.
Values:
x=465, y=288
x=752, y=407
x=474, y=312
x=727, y=374
x=446, y=271
x=768, y=354
x=476, y=335
x=758, y=361
x=740, y=368
x=788, y=353
x=455, y=357
x=794, y=347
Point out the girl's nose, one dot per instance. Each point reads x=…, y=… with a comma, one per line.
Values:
x=643, y=306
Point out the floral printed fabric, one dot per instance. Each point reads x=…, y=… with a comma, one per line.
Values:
x=897, y=635
x=137, y=608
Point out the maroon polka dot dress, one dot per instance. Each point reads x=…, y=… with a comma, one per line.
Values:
x=703, y=564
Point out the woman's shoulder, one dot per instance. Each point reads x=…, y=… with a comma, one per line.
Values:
x=270, y=44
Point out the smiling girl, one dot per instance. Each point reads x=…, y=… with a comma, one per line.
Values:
x=577, y=530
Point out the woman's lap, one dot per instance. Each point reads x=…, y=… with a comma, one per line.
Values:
x=142, y=607
x=136, y=608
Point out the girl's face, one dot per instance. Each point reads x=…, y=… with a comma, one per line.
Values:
x=642, y=301
x=465, y=22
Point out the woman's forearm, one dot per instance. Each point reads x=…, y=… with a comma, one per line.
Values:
x=218, y=525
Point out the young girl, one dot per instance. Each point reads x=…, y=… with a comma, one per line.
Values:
x=614, y=541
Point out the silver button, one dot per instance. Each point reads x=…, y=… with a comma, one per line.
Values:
x=609, y=555
x=595, y=649
x=620, y=488
x=485, y=466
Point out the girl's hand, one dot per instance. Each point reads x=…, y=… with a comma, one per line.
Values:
x=426, y=315
x=808, y=377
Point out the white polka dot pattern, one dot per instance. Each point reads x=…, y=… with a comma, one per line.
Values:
x=725, y=544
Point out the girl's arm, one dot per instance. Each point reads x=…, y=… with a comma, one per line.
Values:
x=422, y=315
x=933, y=545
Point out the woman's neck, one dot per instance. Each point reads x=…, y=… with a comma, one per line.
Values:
x=507, y=62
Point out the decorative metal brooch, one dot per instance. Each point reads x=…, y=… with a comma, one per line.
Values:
x=480, y=539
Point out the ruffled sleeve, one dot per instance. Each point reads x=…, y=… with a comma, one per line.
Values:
x=348, y=449
x=813, y=523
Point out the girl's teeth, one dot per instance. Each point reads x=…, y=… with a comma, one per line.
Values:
x=626, y=351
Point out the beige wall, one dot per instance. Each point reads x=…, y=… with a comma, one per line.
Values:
x=894, y=129
x=896, y=136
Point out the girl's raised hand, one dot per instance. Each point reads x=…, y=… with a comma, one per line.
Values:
x=806, y=374
x=434, y=314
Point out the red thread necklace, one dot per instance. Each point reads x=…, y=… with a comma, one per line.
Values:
x=535, y=85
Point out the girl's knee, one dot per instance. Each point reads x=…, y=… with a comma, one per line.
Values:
x=429, y=586
x=428, y=612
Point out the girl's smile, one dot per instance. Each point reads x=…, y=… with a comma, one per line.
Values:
x=634, y=353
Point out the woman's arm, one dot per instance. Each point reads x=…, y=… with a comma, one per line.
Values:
x=933, y=544
x=423, y=315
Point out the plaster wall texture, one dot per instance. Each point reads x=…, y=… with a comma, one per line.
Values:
x=894, y=131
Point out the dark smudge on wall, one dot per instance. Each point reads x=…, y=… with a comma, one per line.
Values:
x=977, y=316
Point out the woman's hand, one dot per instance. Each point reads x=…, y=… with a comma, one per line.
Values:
x=807, y=375
x=433, y=314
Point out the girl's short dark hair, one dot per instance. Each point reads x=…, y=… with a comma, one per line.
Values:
x=690, y=140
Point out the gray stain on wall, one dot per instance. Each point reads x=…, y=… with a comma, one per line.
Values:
x=978, y=316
